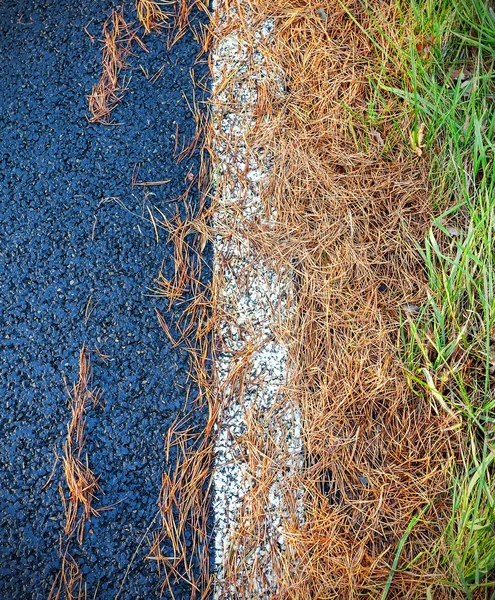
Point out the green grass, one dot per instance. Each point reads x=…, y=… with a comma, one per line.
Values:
x=449, y=348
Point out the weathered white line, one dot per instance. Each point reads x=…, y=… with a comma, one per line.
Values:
x=252, y=364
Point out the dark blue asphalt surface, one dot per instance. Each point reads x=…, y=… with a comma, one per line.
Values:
x=62, y=241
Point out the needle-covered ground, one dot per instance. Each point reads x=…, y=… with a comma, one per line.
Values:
x=78, y=255
x=375, y=122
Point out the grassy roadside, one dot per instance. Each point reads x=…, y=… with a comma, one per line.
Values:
x=449, y=346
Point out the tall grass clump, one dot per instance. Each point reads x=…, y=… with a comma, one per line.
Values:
x=450, y=345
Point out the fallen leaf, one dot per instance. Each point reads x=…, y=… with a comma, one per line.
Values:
x=416, y=139
x=377, y=137
x=424, y=47
x=412, y=308
x=463, y=74
x=453, y=230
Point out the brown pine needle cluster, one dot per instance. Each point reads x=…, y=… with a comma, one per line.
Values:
x=151, y=14
x=68, y=584
x=185, y=495
x=81, y=483
x=118, y=38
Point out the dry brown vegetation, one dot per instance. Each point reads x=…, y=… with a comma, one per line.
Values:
x=68, y=584
x=350, y=200
x=81, y=484
x=350, y=197
x=185, y=494
x=118, y=39
x=150, y=14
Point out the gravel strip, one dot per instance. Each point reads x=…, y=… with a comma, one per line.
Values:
x=255, y=300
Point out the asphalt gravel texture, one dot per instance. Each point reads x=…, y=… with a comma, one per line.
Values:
x=72, y=228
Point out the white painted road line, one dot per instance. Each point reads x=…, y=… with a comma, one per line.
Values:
x=252, y=363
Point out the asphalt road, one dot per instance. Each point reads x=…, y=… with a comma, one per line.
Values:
x=63, y=239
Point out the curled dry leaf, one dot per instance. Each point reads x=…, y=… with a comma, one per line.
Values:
x=410, y=308
x=452, y=230
x=416, y=138
x=462, y=74
x=377, y=137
